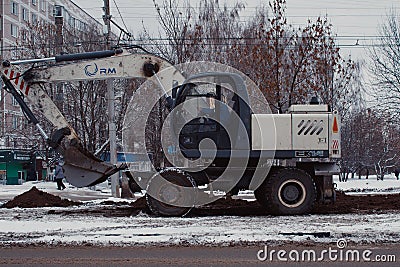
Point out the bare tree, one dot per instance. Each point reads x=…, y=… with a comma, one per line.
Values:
x=385, y=66
x=370, y=141
x=175, y=24
x=189, y=34
x=289, y=65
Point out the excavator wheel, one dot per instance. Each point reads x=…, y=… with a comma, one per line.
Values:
x=287, y=191
x=164, y=196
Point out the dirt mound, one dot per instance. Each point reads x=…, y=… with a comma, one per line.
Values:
x=236, y=207
x=35, y=198
x=109, y=209
x=344, y=204
x=140, y=203
x=230, y=207
x=360, y=204
x=225, y=206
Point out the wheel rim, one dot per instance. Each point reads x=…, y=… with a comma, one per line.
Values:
x=165, y=194
x=292, y=193
x=169, y=194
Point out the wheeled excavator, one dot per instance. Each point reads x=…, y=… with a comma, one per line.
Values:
x=288, y=160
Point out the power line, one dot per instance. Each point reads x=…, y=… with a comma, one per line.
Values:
x=119, y=12
x=334, y=37
x=164, y=42
x=135, y=16
x=255, y=8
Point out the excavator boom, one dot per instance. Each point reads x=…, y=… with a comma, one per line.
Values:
x=81, y=167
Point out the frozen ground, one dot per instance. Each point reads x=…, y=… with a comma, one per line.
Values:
x=389, y=185
x=37, y=226
x=55, y=226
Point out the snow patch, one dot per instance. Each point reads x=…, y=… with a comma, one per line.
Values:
x=389, y=185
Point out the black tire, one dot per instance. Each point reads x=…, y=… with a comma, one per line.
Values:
x=163, y=191
x=287, y=191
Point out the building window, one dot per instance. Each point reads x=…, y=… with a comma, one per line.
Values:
x=14, y=31
x=51, y=10
x=58, y=11
x=43, y=5
x=80, y=25
x=14, y=101
x=23, y=35
x=25, y=124
x=25, y=16
x=59, y=95
x=34, y=2
x=14, y=8
x=71, y=22
x=34, y=18
x=14, y=122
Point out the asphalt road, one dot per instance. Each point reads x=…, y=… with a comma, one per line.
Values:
x=181, y=256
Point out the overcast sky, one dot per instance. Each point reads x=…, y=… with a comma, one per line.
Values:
x=352, y=19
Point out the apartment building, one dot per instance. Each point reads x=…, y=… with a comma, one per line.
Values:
x=15, y=16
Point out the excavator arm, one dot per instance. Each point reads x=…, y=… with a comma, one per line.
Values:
x=81, y=167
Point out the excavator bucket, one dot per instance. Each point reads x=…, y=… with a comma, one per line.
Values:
x=83, y=169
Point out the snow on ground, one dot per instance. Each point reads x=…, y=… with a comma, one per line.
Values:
x=389, y=185
x=39, y=226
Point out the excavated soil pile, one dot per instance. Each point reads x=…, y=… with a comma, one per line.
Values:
x=109, y=209
x=344, y=204
x=140, y=204
x=360, y=204
x=230, y=207
x=224, y=206
x=35, y=198
x=236, y=207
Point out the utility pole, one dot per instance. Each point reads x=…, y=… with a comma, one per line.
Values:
x=107, y=23
x=111, y=105
x=59, y=21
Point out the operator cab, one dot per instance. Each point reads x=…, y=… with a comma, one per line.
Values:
x=206, y=110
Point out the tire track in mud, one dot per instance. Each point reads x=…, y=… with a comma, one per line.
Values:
x=345, y=204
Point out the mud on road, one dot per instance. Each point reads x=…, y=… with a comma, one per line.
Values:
x=345, y=204
x=227, y=222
